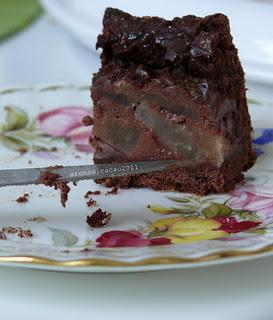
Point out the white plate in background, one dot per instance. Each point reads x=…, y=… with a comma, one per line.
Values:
x=251, y=23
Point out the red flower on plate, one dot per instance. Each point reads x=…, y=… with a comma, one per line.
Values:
x=231, y=225
x=129, y=238
x=66, y=122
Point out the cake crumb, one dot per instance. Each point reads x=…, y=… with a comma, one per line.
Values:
x=91, y=203
x=2, y=236
x=22, y=233
x=25, y=233
x=90, y=193
x=98, y=218
x=86, y=250
x=113, y=191
x=9, y=230
x=50, y=179
x=64, y=189
x=22, y=150
x=38, y=219
x=23, y=199
x=87, y=121
x=91, y=140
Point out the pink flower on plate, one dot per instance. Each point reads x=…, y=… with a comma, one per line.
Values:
x=45, y=155
x=253, y=198
x=66, y=122
x=128, y=238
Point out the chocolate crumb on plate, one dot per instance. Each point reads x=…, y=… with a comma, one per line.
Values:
x=25, y=233
x=22, y=233
x=98, y=218
x=64, y=189
x=87, y=121
x=86, y=250
x=113, y=191
x=22, y=150
x=91, y=202
x=96, y=192
x=50, y=179
x=10, y=230
x=2, y=236
x=89, y=193
x=38, y=219
x=23, y=198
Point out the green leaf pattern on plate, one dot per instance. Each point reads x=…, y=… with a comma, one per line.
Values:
x=16, y=118
x=18, y=132
x=216, y=209
x=206, y=207
x=63, y=238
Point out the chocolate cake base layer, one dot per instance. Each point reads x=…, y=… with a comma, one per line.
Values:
x=201, y=179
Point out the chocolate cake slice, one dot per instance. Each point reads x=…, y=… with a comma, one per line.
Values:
x=171, y=90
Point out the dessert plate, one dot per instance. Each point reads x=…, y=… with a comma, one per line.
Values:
x=148, y=230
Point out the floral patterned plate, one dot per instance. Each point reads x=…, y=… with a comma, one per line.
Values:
x=149, y=230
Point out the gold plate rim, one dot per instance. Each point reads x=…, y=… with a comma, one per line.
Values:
x=163, y=260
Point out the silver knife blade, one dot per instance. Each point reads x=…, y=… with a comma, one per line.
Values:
x=27, y=176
